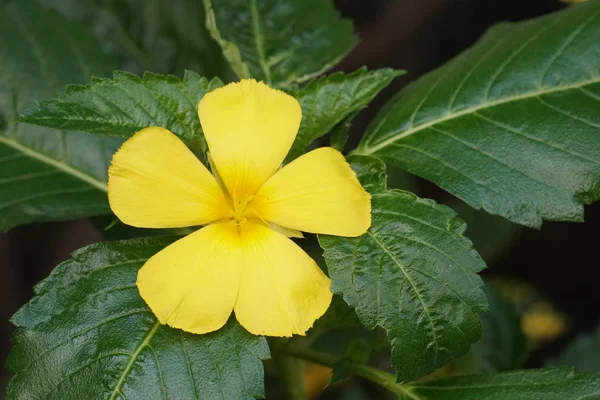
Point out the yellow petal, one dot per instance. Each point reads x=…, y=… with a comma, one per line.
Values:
x=282, y=290
x=249, y=128
x=319, y=193
x=193, y=283
x=155, y=181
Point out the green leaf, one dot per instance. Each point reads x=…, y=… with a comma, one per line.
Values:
x=541, y=384
x=358, y=352
x=370, y=172
x=337, y=316
x=413, y=273
x=339, y=327
x=510, y=126
x=339, y=134
x=87, y=334
x=583, y=353
x=166, y=37
x=47, y=174
x=282, y=42
x=328, y=100
x=127, y=103
x=493, y=236
x=503, y=345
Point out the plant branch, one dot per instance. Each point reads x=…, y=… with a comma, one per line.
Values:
x=289, y=369
x=382, y=378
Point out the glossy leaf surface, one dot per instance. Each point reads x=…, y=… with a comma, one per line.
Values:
x=511, y=125
x=127, y=103
x=47, y=174
x=282, y=42
x=541, y=384
x=413, y=273
x=87, y=334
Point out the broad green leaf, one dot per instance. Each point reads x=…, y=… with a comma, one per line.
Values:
x=328, y=100
x=282, y=42
x=89, y=335
x=166, y=37
x=413, y=273
x=127, y=103
x=47, y=174
x=583, y=353
x=511, y=125
x=540, y=384
x=113, y=229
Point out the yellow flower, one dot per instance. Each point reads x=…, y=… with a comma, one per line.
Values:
x=242, y=260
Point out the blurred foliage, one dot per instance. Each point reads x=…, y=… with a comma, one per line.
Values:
x=166, y=37
x=541, y=321
x=583, y=353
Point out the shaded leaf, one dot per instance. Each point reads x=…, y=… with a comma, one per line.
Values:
x=150, y=35
x=413, y=273
x=87, y=334
x=583, y=353
x=282, y=42
x=511, y=125
x=46, y=174
x=339, y=134
x=338, y=315
x=503, y=345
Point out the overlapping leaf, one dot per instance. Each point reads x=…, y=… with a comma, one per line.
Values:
x=47, y=174
x=328, y=100
x=89, y=335
x=510, y=126
x=283, y=42
x=413, y=273
x=542, y=384
x=127, y=103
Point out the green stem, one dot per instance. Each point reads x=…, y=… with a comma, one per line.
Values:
x=290, y=370
x=382, y=378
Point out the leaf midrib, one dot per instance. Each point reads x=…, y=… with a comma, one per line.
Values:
x=365, y=150
x=415, y=289
x=98, y=184
x=494, y=385
x=132, y=361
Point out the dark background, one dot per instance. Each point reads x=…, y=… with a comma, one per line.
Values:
x=415, y=35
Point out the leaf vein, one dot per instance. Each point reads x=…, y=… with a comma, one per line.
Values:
x=416, y=291
x=533, y=138
x=133, y=360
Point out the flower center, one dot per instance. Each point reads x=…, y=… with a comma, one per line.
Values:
x=241, y=212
